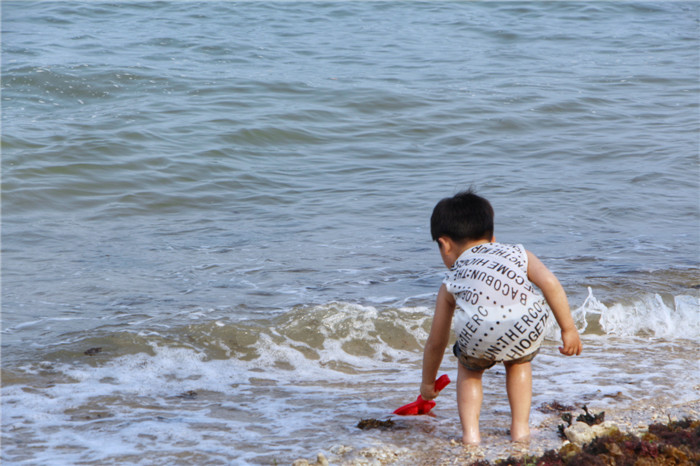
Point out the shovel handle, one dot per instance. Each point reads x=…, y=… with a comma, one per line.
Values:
x=442, y=382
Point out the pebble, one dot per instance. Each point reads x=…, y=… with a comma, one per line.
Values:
x=341, y=450
x=321, y=460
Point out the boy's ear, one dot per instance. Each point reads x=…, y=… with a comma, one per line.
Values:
x=445, y=244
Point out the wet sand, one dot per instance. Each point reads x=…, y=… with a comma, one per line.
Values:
x=496, y=444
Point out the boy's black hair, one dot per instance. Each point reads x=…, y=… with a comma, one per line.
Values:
x=464, y=216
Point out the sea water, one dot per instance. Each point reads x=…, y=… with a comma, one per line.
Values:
x=215, y=240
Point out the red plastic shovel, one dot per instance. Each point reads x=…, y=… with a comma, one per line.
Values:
x=421, y=406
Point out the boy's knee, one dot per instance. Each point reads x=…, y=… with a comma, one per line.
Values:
x=516, y=364
x=518, y=368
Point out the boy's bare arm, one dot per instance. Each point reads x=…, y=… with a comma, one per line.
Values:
x=437, y=342
x=555, y=295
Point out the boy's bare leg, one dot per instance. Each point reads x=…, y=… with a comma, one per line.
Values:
x=469, y=396
x=519, y=387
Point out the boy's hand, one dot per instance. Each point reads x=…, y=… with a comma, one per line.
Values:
x=427, y=391
x=572, y=342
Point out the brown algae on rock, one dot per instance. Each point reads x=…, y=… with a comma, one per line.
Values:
x=674, y=443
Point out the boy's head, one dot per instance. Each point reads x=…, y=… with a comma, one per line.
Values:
x=464, y=216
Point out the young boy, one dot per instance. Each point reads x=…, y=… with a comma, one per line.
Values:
x=498, y=315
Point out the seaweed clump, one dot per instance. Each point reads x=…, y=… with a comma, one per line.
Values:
x=554, y=407
x=366, y=424
x=685, y=432
x=675, y=443
x=591, y=419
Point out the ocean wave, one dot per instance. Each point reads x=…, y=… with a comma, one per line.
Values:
x=349, y=338
x=342, y=337
x=648, y=315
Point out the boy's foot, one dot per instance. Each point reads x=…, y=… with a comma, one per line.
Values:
x=520, y=434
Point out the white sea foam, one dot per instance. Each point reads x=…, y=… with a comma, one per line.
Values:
x=647, y=315
x=141, y=399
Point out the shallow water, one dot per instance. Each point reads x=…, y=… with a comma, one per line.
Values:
x=231, y=201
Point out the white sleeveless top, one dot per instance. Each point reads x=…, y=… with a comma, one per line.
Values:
x=499, y=314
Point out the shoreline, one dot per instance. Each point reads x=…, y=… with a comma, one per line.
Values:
x=634, y=420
